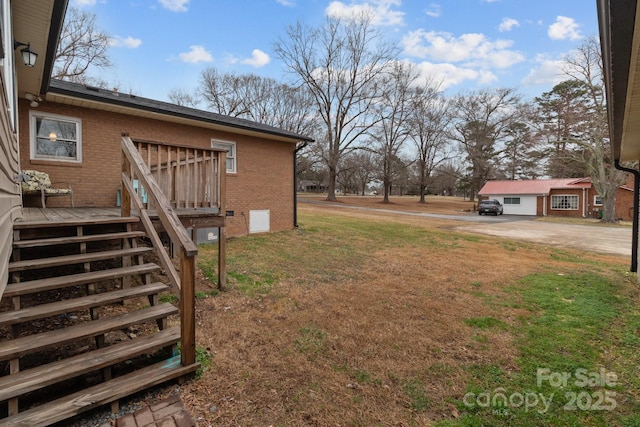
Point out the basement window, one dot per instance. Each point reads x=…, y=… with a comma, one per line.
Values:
x=54, y=137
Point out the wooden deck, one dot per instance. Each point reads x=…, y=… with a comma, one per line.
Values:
x=66, y=214
x=190, y=218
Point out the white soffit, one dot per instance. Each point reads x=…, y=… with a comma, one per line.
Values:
x=630, y=144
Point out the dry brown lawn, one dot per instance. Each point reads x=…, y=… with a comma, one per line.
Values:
x=375, y=338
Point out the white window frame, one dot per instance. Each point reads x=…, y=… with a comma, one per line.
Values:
x=572, y=200
x=597, y=200
x=33, y=116
x=232, y=154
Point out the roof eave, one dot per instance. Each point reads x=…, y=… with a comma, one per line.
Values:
x=189, y=115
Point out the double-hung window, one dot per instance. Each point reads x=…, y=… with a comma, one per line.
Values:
x=230, y=148
x=55, y=137
x=564, y=202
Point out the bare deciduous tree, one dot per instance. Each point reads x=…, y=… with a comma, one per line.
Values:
x=339, y=63
x=261, y=99
x=430, y=121
x=481, y=120
x=392, y=113
x=183, y=98
x=82, y=46
x=585, y=65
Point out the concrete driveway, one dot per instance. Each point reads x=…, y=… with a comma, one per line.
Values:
x=610, y=240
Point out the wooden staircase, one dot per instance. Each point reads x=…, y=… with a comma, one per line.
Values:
x=81, y=322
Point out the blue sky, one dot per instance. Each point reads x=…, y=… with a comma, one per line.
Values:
x=159, y=45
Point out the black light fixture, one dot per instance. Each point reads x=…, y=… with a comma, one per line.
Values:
x=29, y=57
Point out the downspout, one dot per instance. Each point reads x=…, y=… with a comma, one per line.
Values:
x=636, y=201
x=295, y=183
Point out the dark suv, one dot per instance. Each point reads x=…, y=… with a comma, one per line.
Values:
x=490, y=207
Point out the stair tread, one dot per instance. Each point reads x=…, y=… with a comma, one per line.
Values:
x=22, y=288
x=101, y=394
x=21, y=225
x=76, y=258
x=42, y=376
x=80, y=303
x=30, y=243
x=29, y=344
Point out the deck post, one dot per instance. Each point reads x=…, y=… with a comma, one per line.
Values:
x=187, y=308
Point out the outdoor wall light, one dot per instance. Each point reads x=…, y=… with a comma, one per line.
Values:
x=35, y=100
x=29, y=57
x=53, y=136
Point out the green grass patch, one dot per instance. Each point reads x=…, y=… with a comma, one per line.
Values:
x=487, y=322
x=206, y=294
x=171, y=298
x=561, y=377
x=417, y=395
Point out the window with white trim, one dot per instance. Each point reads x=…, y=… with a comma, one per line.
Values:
x=564, y=202
x=55, y=137
x=511, y=201
x=597, y=200
x=230, y=148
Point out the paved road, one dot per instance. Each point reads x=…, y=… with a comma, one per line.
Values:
x=610, y=240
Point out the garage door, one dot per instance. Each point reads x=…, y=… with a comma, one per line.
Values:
x=519, y=205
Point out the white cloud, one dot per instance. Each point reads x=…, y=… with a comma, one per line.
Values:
x=564, y=28
x=380, y=10
x=448, y=75
x=175, y=5
x=85, y=2
x=196, y=54
x=288, y=3
x=434, y=10
x=471, y=50
x=548, y=72
x=507, y=24
x=258, y=59
x=128, y=42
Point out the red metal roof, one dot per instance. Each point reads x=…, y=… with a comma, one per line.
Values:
x=534, y=186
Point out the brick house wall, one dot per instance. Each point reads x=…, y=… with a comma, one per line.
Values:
x=264, y=178
x=562, y=212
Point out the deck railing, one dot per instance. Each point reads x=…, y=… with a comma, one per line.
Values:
x=188, y=176
x=171, y=168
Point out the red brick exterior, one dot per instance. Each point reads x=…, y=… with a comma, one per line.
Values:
x=264, y=178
